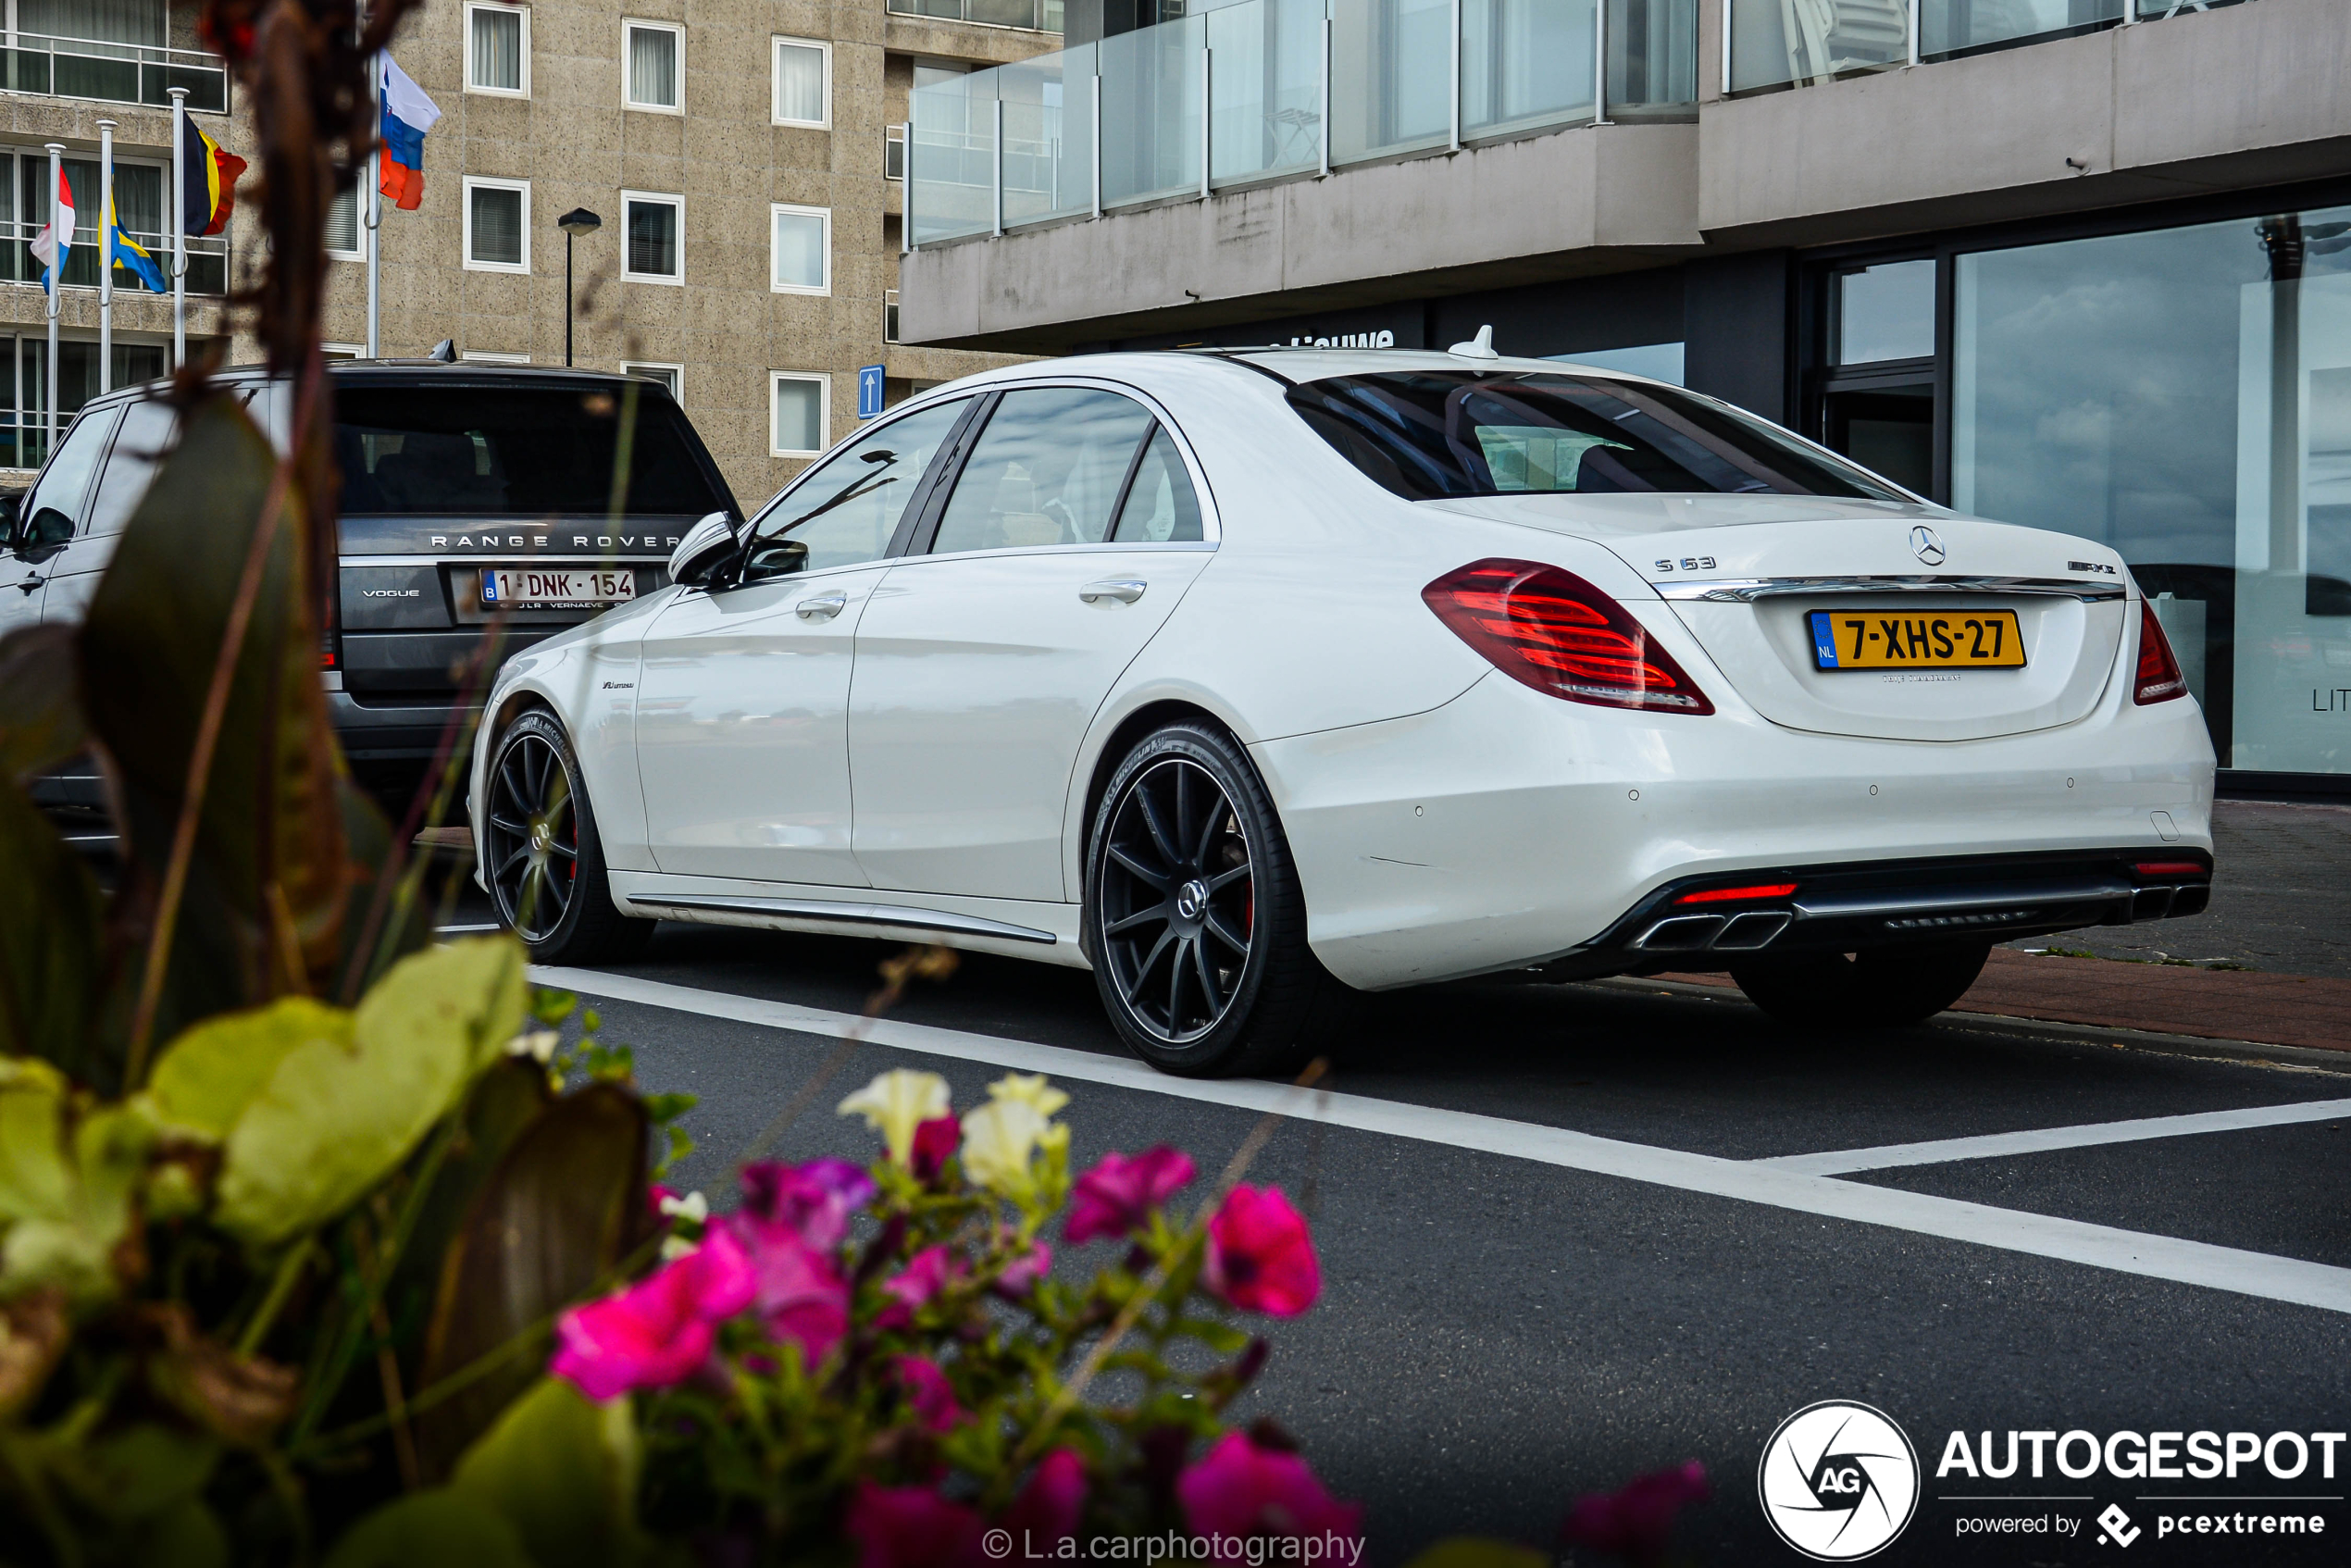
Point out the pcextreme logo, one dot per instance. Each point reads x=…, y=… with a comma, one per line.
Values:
x=1839, y=1481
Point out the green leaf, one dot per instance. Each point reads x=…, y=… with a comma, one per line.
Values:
x=50, y=944
x=562, y=1470
x=40, y=700
x=563, y=1208
x=338, y=1115
x=67, y=1198
x=205, y=1079
x=184, y=1535
x=139, y=1471
x=1479, y=1551
x=269, y=876
x=440, y=1527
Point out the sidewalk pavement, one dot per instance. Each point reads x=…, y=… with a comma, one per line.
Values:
x=2280, y=919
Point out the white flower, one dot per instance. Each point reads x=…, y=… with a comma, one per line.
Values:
x=999, y=1137
x=676, y=1246
x=1031, y=1090
x=693, y=1207
x=895, y=1103
x=538, y=1044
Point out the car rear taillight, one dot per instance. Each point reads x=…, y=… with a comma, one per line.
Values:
x=2172, y=869
x=1548, y=629
x=2160, y=678
x=1738, y=895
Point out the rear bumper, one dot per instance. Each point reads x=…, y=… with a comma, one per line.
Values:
x=386, y=729
x=1842, y=908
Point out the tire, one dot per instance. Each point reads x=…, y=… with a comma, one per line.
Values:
x=541, y=854
x=1194, y=919
x=1882, y=987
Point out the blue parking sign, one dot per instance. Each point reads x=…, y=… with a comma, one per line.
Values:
x=869, y=392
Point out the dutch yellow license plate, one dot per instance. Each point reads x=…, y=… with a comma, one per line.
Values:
x=1916, y=640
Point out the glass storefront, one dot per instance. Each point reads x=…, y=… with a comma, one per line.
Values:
x=2185, y=395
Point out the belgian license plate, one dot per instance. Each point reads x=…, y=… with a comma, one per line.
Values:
x=530, y=587
x=1916, y=640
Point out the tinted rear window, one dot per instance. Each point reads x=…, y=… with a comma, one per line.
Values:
x=1427, y=435
x=521, y=451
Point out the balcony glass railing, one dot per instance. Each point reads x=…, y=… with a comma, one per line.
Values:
x=1042, y=15
x=1260, y=90
x=113, y=73
x=1803, y=43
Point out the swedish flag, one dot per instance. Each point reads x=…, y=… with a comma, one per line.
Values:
x=129, y=253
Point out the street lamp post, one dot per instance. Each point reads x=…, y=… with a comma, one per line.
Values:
x=575, y=223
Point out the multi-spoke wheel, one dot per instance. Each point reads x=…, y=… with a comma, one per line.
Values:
x=540, y=853
x=1194, y=921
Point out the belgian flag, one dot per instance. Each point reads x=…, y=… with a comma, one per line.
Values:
x=211, y=180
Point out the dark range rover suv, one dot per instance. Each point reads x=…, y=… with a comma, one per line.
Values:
x=465, y=488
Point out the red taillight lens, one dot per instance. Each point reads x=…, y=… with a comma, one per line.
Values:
x=1732, y=895
x=1551, y=630
x=2160, y=678
x=2169, y=868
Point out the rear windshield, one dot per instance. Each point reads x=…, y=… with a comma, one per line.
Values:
x=1426, y=435
x=522, y=451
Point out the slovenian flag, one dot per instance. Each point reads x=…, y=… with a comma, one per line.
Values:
x=49, y=247
x=407, y=115
x=211, y=180
x=129, y=253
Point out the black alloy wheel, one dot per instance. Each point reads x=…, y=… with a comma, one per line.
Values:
x=1194, y=922
x=540, y=852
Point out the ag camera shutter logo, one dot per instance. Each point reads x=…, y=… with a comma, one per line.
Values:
x=1839, y=1481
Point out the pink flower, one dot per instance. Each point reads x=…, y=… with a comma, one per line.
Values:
x=1117, y=1196
x=815, y=1199
x=1048, y=1507
x=656, y=1195
x=1260, y=1256
x=926, y=1273
x=908, y=1527
x=1636, y=1523
x=659, y=1331
x=1018, y=1277
x=798, y=1295
x=927, y=1391
x=935, y=1141
x=1239, y=1489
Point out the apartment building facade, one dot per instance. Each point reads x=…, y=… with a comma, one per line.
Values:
x=736, y=153
x=2079, y=263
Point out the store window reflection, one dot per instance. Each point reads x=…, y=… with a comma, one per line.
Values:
x=2185, y=395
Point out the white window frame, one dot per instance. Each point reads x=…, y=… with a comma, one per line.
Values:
x=776, y=47
x=343, y=351
x=358, y=226
x=895, y=137
x=628, y=71
x=467, y=46
x=889, y=315
x=678, y=376
x=825, y=288
x=824, y=409
x=466, y=237
x=665, y=199
x=491, y=357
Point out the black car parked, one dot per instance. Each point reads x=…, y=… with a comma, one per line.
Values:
x=467, y=489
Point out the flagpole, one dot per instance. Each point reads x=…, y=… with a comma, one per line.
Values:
x=376, y=222
x=59, y=240
x=180, y=226
x=106, y=255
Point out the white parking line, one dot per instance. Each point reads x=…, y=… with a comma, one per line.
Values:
x=2124, y=1251
x=447, y=930
x=2042, y=1140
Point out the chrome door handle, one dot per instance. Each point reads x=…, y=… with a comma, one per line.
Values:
x=1125, y=589
x=28, y=584
x=824, y=607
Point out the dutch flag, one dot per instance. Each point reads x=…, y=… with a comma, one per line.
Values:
x=49, y=247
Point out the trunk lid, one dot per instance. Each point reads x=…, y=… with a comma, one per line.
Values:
x=1745, y=573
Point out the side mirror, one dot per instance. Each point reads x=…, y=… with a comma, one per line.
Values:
x=703, y=547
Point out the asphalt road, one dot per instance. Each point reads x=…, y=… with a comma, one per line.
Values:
x=1553, y=1259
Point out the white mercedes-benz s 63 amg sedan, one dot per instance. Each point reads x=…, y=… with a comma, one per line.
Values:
x=1248, y=678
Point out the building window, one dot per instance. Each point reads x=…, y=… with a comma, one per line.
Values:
x=803, y=82
x=343, y=351
x=498, y=49
x=889, y=315
x=652, y=238
x=497, y=224
x=671, y=377
x=800, y=403
x=801, y=250
x=346, y=237
x=485, y=356
x=894, y=152
x=653, y=66
x=1885, y=312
